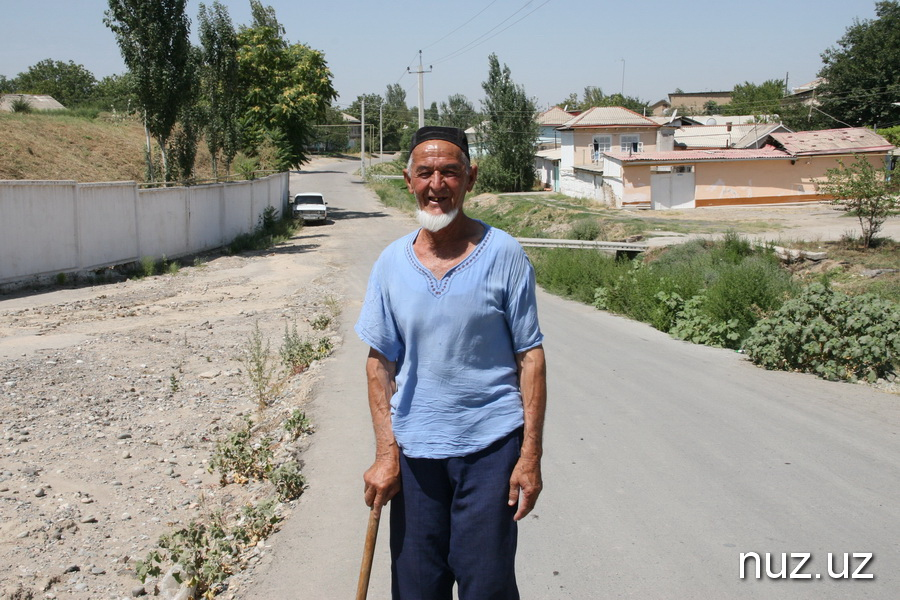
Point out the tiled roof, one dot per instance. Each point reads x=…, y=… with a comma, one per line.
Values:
x=609, y=116
x=554, y=116
x=832, y=141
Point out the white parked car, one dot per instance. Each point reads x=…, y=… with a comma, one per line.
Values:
x=309, y=206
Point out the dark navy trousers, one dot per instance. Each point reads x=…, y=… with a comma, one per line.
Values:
x=452, y=523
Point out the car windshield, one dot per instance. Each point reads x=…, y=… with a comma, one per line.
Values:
x=300, y=199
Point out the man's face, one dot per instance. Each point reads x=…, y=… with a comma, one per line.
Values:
x=438, y=177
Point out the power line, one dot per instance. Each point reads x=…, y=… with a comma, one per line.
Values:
x=488, y=34
x=434, y=43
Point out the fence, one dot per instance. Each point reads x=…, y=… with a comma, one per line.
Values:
x=51, y=227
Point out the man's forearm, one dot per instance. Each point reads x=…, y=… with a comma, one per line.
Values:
x=380, y=374
x=533, y=384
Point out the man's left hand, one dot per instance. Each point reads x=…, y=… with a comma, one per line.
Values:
x=525, y=486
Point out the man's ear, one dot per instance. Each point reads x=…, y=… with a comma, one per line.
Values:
x=408, y=181
x=473, y=177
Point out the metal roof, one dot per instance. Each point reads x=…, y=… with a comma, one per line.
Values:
x=723, y=136
x=553, y=154
x=832, y=141
x=609, y=116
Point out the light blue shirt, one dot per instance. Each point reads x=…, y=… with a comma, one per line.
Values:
x=455, y=342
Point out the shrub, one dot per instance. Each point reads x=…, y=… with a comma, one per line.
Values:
x=298, y=424
x=744, y=291
x=297, y=352
x=20, y=105
x=835, y=336
x=238, y=459
x=586, y=229
x=288, y=481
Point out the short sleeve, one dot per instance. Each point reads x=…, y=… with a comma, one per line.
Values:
x=521, y=304
x=376, y=325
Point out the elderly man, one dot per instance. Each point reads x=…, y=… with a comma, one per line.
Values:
x=456, y=383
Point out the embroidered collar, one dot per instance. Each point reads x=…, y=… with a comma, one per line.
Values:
x=437, y=287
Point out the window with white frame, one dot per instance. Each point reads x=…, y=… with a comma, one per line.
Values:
x=602, y=143
x=631, y=143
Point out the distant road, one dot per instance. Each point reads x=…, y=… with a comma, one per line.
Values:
x=665, y=461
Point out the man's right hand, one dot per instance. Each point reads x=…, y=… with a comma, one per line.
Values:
x=382, y=483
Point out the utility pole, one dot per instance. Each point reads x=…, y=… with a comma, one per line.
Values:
x=362, y=138
x=381, y=129
x=421, y=72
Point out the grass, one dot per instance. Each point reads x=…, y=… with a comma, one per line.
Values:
x=76, y=146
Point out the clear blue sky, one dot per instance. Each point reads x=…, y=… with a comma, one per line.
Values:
x=553, y=47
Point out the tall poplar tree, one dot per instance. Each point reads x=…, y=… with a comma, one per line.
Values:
x=509, y=133
x=221, y=102
x=153, y=39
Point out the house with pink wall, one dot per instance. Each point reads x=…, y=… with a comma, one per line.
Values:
x=784, y=170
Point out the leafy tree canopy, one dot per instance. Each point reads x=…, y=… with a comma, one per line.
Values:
x=68, y=83
x=509, y=132
x=153, y=39
x=457, y=111
x=862, y=71
x=594, y=96
x=752, y=99
x=287, y=87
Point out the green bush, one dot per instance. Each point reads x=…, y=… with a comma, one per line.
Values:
x=586, y=229
x=744, y=291
x=238, y=459
x=831, y=334
x=288, y=481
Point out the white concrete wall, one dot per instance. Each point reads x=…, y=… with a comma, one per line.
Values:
x=587, y=185
x=50, y=227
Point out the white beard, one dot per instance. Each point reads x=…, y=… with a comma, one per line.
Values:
x=435, y=223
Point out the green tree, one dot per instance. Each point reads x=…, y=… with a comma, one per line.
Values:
x=287, y=87
x=7, y=86
x=397, y=116
x=862, y=72
x=221, y=100
x=332, y=134
x=116, y=92
x=70, y=84
x=594, y=96
x=153, y=39
x=457, y=111
x=870, y=193
x=751, y=99
x=509, y=132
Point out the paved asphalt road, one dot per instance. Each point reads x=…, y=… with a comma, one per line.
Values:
x=664, y=462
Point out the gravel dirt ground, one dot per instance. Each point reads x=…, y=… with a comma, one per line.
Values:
x=114, y=395
x=112, y=399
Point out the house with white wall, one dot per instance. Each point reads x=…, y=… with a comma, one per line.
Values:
x=599, y=131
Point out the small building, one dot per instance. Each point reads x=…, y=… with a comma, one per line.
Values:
x=549, y=121
x=587, y=137
x=354, y=130
x=690, y=103
x=36, y=102
x=784, y=170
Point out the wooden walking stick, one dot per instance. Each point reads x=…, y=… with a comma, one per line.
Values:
x=362, y=589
